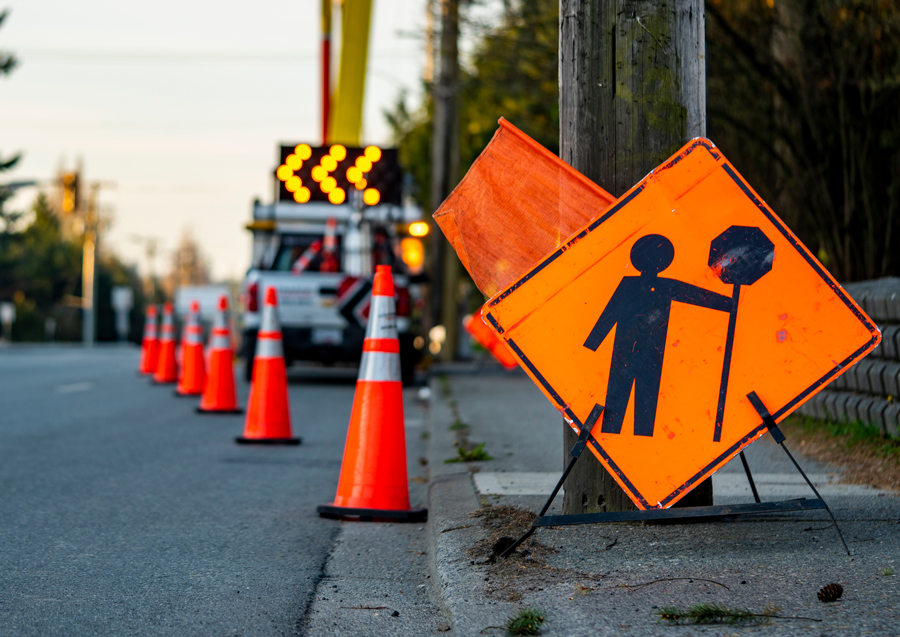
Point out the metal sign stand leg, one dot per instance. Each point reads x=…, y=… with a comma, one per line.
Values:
x=679, y=513
x=580, y=444
x=779, y=438
x=749, y=476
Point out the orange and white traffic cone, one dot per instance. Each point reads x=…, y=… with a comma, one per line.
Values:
x=373, y=483
x=219, y=395
x=166, y=367
x=149, y=344
x=329, y=248
x=193, y=369
x=268, y=411
x=306, y=258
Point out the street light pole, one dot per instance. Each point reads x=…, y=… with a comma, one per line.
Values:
x=88, y=263
x=88, y=282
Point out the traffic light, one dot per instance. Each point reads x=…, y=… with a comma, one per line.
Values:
x=70, y=192
x=329, y=174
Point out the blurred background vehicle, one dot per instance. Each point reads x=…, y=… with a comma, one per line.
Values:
x=318, y=246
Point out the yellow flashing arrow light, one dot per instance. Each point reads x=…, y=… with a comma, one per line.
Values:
x=284, y=173
x=302, y=195
x=338, y=152
x=371, y=196
x=372, y=171
x=319, y=173
x=354, y=174
x=328, y=184
x=337, y=195
x=372, y=153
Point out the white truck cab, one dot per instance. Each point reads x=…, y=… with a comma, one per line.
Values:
x=323, y=294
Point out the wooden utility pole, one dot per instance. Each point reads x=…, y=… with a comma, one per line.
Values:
x=632, y=91
x=445, y=266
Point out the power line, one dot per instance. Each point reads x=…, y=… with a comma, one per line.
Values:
x=64, y=56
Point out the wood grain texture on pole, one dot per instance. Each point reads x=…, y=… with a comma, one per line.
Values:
x=632, y=91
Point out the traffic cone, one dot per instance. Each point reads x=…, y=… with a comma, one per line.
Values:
x=193, y=369
x=329, y=248
x=306, y=258
x=268, y=411
x=373, y=483
x=166, y=367
x=149, y=344
x=219, y=395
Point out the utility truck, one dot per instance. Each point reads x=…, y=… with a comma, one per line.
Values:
x=337, y=214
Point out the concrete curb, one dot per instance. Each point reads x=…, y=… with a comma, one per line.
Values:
x=451, y=498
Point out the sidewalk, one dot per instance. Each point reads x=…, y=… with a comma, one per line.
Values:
x=612, y=579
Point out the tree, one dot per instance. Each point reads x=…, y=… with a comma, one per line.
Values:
x=804, y=98
x=8, y=62
x=39, y=269
x=512, y=73
x=189, y=266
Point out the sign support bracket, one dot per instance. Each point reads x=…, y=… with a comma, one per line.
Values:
x=706, y=512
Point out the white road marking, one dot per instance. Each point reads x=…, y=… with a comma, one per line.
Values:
x=769, y=485
x=74, y=388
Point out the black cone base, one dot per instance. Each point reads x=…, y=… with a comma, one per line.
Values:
x=371, y=515
x=268, y=441
x=178, y=394
x=200, y=410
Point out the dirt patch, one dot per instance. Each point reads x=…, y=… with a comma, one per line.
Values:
x=509, y=578
x=866, y=457
x=503, y=522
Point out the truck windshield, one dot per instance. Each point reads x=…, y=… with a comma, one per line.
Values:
x=309, y=247
x=305, y=253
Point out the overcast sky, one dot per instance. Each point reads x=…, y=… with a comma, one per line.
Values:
x=182, y=104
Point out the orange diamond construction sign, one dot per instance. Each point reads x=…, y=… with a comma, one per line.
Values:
x=667, y=310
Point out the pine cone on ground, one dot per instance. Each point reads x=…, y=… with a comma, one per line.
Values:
x=831, y=593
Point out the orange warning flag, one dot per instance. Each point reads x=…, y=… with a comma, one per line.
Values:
x=515, y=205
x=668, y=310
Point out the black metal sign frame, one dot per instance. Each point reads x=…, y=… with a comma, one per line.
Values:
x=817, y=503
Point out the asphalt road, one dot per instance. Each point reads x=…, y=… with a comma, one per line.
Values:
x=124, y=512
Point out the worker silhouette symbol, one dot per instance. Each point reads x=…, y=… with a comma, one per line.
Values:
x=639, y=309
